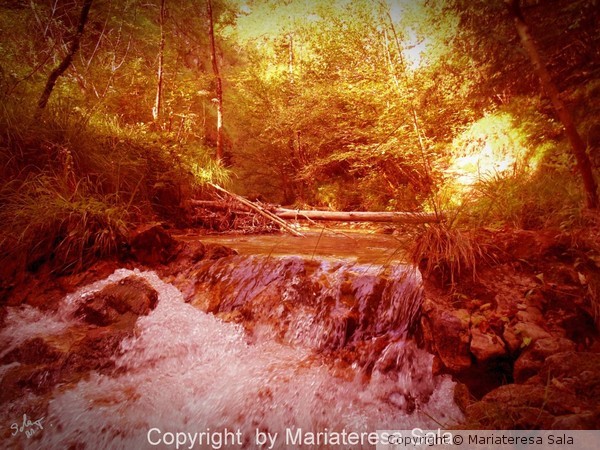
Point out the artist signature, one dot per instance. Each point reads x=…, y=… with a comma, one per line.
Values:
x=30, y=427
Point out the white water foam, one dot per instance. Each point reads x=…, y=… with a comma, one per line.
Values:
x=187, y=371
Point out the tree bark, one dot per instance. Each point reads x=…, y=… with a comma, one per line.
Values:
x=66, y=62
x=159, y=75
x=358, y=216
x=291, y=57
x=577, y=145
x=217, y=74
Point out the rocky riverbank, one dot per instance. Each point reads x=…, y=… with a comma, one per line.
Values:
x=519, y=337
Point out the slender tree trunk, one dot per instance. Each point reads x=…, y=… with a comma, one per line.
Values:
x=577, y=145
x=66, y=62
x=291, y=58
x=219, y=89
x=159, y=75
x=413, y=108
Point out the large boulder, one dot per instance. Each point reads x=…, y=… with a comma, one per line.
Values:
x=129, y=298
x=152, y=244
x=532, y=359
x=447, y=332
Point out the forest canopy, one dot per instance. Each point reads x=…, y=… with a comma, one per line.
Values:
x=382, y=105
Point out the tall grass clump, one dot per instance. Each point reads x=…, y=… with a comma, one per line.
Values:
x=75, y=183
x=442, y=249
x=48, y=219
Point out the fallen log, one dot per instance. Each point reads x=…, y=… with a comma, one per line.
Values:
x=358, y=216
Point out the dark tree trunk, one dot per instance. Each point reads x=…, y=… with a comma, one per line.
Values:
x=219, y=87
x=159, y=81
x=66, y=62
x=577, y=145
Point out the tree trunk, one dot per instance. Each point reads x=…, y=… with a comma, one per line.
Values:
x=358, y=216
x=159, y=76
x=219, y=88
x=66, y=62
x=413, y=108
x=259, y=209
x=291, y=58
x=578, y=146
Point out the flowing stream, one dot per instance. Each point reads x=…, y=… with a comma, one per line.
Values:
x=189, y=379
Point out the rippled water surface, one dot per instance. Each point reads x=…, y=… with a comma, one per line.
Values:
x=358, y=246
x=188, y=376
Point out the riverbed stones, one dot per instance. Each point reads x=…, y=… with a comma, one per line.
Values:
x=532, y=359
x=152, y=244
x=448, y=333
x=131, y=297
x=564, y=394
x=530, y=331
x=32, y=351
x=486, y=346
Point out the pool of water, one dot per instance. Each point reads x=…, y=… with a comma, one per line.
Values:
x=357, y=246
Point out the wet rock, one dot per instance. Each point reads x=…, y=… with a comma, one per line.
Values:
x=96, y=351
x=449, y=333
x=32, y=351
x=486, y=346
x=43, y=367
x=530, y=331
x=152, y=244
x=532, y=359
x=204, y=301
x=3, y=314
x=131, y=295
x=214, y=251
x=41, y=379
x=191, y=252
x=586, y=421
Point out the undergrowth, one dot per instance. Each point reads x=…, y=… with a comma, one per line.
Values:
x=548, y=198
x=76, y=183
x=46, y=218
x=444, y=250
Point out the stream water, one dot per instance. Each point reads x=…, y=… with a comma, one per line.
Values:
x=188, y=379
x=343, y=245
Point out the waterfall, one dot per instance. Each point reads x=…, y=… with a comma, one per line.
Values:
x=185, y=370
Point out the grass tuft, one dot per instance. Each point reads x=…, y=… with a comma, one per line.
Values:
x=446, y=251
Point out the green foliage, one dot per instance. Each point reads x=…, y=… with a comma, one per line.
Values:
x=206, y=170
x=511, y=168
x=549, y=198
x=362, y=110
x=75, y=184
x=48, y=218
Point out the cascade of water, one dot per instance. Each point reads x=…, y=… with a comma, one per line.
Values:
x=325, y=305
x=188, y=371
